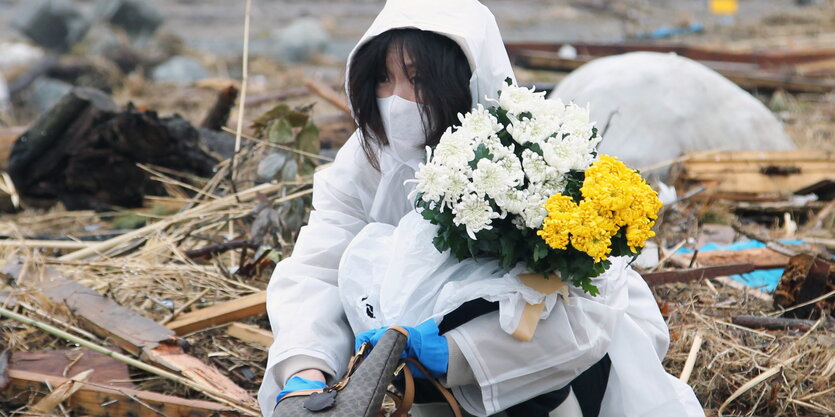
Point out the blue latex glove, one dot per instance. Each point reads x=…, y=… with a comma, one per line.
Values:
x=424, y=344
x=298, y=383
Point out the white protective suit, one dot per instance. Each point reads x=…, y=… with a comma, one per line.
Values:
x=350, y=198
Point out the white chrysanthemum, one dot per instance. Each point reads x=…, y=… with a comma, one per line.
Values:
x=453, y=150
x=576, y=122
x=517, y=100
x=513, y=167
x=532, y=130
x=475, y=213
x=548, y=187
x=491, y=178
x=458, y=185
x=536, y=168
x=432, y=180
x=479, y=123
x=514, y=201
x=569, y=153
x=550, y=109
x=499, y=151
x=535, y=213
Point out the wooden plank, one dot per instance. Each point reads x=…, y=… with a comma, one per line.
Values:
x=251, y=334
x=697, y=168
x=752, y=183
x=773, y=156
x=761, y=258
x=101, y=401
x=220, y=313
x=103, y=316
x=127, y=329
x=694, y=274
x=109, y=371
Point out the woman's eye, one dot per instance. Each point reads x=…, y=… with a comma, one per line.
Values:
x=383, y=79
x=415, y=80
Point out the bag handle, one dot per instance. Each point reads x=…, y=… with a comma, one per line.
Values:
x=409, y=394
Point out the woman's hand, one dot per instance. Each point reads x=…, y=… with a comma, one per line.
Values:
x=298, y=382
x=424, y=344
x=311, y=375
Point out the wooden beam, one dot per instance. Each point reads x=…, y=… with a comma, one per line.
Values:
x=251, y=334
x=127, y=329
x=222, y=313
x=695, y=274
x=97, y=400
x=761, y=258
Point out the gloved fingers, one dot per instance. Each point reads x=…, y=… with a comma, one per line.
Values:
x=371, y=336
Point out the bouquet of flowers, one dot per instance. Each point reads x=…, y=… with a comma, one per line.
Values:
x=522, y=182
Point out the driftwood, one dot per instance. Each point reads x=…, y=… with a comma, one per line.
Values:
x=84, y=152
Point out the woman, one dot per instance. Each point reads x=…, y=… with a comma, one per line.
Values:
x=448, y=56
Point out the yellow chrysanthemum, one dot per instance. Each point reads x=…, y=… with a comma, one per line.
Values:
x=614, y=196
x=555, y=227
x=591, y=232
x=638, y=233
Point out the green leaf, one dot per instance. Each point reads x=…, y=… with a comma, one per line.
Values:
x=297, y=118
x=280, y=131
x=308, y=138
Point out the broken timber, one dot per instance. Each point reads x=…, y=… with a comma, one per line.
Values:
x=756, y=172
x=760, y=258
x=130, y=331
x=694, y=274
x=220, y=313
x=251, y=334
x=99, y=400
x=806, y=278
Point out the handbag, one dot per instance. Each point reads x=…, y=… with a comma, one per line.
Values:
x=365, y=385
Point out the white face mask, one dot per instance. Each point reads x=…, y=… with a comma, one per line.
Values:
x=403, y=124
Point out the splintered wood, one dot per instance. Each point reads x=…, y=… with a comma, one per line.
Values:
x=129, y=330
x=755, y=172
x=805, y=279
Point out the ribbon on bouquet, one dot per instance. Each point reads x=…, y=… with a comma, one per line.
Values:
x=532, y=312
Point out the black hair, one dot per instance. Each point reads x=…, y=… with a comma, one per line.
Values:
x=442, y=83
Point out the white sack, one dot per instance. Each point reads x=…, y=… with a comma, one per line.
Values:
x=663, y=105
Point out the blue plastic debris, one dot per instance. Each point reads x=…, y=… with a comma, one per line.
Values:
x=764, y=279
x=669, y=31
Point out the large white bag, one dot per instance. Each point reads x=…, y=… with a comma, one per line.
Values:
x=663, y=105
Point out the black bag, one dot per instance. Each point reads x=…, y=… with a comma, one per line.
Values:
x=360, y=393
